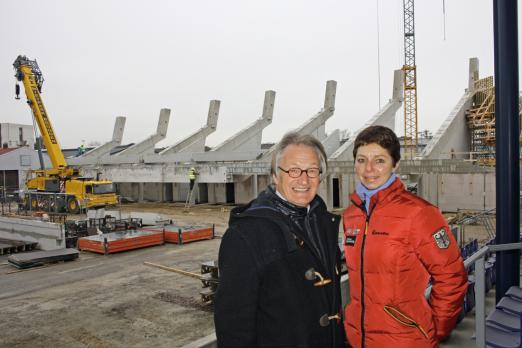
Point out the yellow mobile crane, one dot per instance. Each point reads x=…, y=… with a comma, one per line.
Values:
x=69, y=190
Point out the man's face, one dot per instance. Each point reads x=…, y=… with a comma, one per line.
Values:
x=373, y=165
x=302, y=190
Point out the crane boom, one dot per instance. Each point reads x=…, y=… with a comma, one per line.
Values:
x=29, y=73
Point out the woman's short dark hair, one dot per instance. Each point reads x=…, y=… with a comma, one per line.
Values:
x=382, y=136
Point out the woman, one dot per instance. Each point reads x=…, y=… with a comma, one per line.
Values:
x=394, y=243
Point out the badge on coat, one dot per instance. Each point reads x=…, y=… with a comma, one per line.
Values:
x=442, y=239
x=351, y=236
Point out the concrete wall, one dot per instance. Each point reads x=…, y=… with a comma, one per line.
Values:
x=217, y=193
x=10, y=135
x=244, y=189
x=451, y=192
x=154, y=191
x=49, y=236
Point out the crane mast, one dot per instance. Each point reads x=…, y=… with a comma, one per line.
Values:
x=410, y=82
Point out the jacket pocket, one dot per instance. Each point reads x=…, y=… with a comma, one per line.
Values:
x=404, y=319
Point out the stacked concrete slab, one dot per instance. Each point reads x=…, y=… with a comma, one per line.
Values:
x=48, y=235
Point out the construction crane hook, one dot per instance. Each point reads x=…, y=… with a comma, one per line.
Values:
x=17, y=91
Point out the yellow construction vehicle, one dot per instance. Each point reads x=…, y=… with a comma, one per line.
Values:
x=61, y=187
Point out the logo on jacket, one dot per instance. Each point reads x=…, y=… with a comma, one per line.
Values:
x=442, y=239
x=350, y=240
x=378, y=233
x=351, y=235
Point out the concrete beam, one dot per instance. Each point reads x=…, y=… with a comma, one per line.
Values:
x=48, y=235
x=453, y=135
x=136, y=152
x=385, y=117
x=95, y=154
x=249, y=139
x=315, y=125
x=196, y=141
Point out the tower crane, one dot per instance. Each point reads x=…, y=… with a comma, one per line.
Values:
x=409, y=68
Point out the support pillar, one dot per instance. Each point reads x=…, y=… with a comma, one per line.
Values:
x=140, y=192
x=505, y=25
x=254, y=185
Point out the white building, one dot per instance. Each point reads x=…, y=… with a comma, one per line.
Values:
x=14, y=135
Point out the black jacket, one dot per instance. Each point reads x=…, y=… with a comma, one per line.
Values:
x=266, y=296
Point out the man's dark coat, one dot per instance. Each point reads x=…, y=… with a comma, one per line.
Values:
x=265, y=297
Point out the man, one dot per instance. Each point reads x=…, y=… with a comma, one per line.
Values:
x=279, y=260
x=192, y=177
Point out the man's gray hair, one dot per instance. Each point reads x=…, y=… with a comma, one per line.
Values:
x=294, y=138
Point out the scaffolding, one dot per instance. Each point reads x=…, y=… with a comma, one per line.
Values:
x=481, y=122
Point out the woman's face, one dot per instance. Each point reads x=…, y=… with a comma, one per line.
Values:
x=373, y=165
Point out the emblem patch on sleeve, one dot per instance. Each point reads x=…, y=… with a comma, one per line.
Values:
x=442, y=239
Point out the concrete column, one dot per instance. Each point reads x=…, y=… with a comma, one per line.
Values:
x=3, y=191
x=140, y=192
x=344, y=190
x=329, y=192
x=254, y=185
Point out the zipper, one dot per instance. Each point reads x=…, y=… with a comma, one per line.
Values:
x=366, y=225
x=363, y=333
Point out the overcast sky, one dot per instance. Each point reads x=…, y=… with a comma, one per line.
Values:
x=103, y=59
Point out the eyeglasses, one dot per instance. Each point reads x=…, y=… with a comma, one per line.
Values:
x=296, y=172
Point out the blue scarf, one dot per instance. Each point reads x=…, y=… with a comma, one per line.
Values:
x=366, y=195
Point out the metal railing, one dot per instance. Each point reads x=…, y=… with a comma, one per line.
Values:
x=478, y=259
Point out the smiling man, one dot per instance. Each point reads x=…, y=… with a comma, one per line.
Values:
x=279, y=260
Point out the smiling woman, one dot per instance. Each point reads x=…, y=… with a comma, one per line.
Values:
x=394, y=243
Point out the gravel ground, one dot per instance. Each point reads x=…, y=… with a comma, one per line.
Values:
x=114, y=300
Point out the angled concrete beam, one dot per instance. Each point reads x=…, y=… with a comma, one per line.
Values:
x=249, y=139
x=453, y=135
x=196, y=141
x=244, y=145
x=385, y=117
x=315, y=125
x=117, y=135
x=147, y=145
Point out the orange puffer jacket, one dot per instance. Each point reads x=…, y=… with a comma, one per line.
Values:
x=391, y=255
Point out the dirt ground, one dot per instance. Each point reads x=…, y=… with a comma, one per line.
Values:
x=114, y=300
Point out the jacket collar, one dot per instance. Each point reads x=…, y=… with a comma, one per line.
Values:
x=380, y=197
x=366, y=194
x=268, y=204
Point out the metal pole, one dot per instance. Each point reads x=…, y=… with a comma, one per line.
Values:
x=480, y=294
x=3, y=190
x=507, y=142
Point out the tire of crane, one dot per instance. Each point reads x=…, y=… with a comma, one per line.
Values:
x=45, y=204
x=72, y=206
